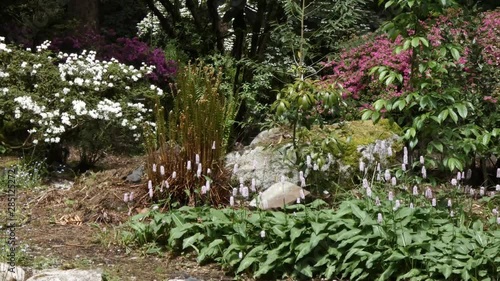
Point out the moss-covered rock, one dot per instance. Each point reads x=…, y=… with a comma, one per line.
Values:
x=270, y=156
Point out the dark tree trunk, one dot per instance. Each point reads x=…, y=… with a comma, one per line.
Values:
x=216, y=24
x=85, y=11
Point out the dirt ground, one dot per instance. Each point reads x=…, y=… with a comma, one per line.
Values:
x=80, y=228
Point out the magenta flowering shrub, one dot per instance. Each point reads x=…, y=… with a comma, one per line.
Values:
x=131, y=51
x=351, y=69
x=488, y=36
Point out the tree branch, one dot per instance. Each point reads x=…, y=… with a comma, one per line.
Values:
x=167, y=27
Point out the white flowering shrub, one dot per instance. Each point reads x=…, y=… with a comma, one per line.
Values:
x=50, y=98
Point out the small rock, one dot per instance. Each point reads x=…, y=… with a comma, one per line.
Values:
x=279, y=194
x=67, y=275
x=184, y=279
x=8, y=275
x=62, y=184
x=136, y=175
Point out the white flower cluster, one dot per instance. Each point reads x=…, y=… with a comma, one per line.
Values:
x=380, y=151
x=83, y=78
x=149, y=25
x=3, y=46
x=76, y=67
x=44, y=46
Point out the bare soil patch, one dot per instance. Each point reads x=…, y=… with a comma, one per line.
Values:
x=79, y=228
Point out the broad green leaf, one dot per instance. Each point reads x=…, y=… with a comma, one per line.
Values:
x=446, y=270
x=209, y=251
x=443, y=115
x=481, y=239
x=410, y=274
x=366, y=115
x=318, y=227
x=372, y=258
x=178, y=220
x=330, y=270
x=278, y=230
x=396, y=256
x=478, y=226
x=388, y=272
x=272, y=256
x=245, y=263
x=390, y=79
x=486, y=139
x=295, y=233
x=355, y=273
x=304, y=249
x=389, y=3
x=413, y=143
x=400, y=104
x=465, y=274
x=424, y=41
x=256, y=251
x=453, y=115
x=438, y=146
x=406, y=44
x=379, y=104
x=347, y=234
x=264, y=268
x=190, y=241
x=415, y=42
x=315, y=239
x=462, y=110
x=455, y=53
x=360, y=214
x=382, y=75
x=442, y=52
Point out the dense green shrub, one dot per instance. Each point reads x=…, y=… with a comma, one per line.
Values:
x=72, y=99
x=403, y=237
x=445, y=81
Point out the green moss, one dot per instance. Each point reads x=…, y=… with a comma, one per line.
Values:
x=357, y=133
x=350, y=135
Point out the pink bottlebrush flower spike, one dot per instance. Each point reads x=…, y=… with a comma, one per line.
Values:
x=379, y=218
x=361, y=166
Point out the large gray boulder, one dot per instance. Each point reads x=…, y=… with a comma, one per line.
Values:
x=270, y=159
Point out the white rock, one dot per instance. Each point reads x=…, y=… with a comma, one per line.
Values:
x=8, y=275
x=277, y=195
x=67, y=275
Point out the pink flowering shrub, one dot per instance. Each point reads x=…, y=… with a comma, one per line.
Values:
x=351, y=69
